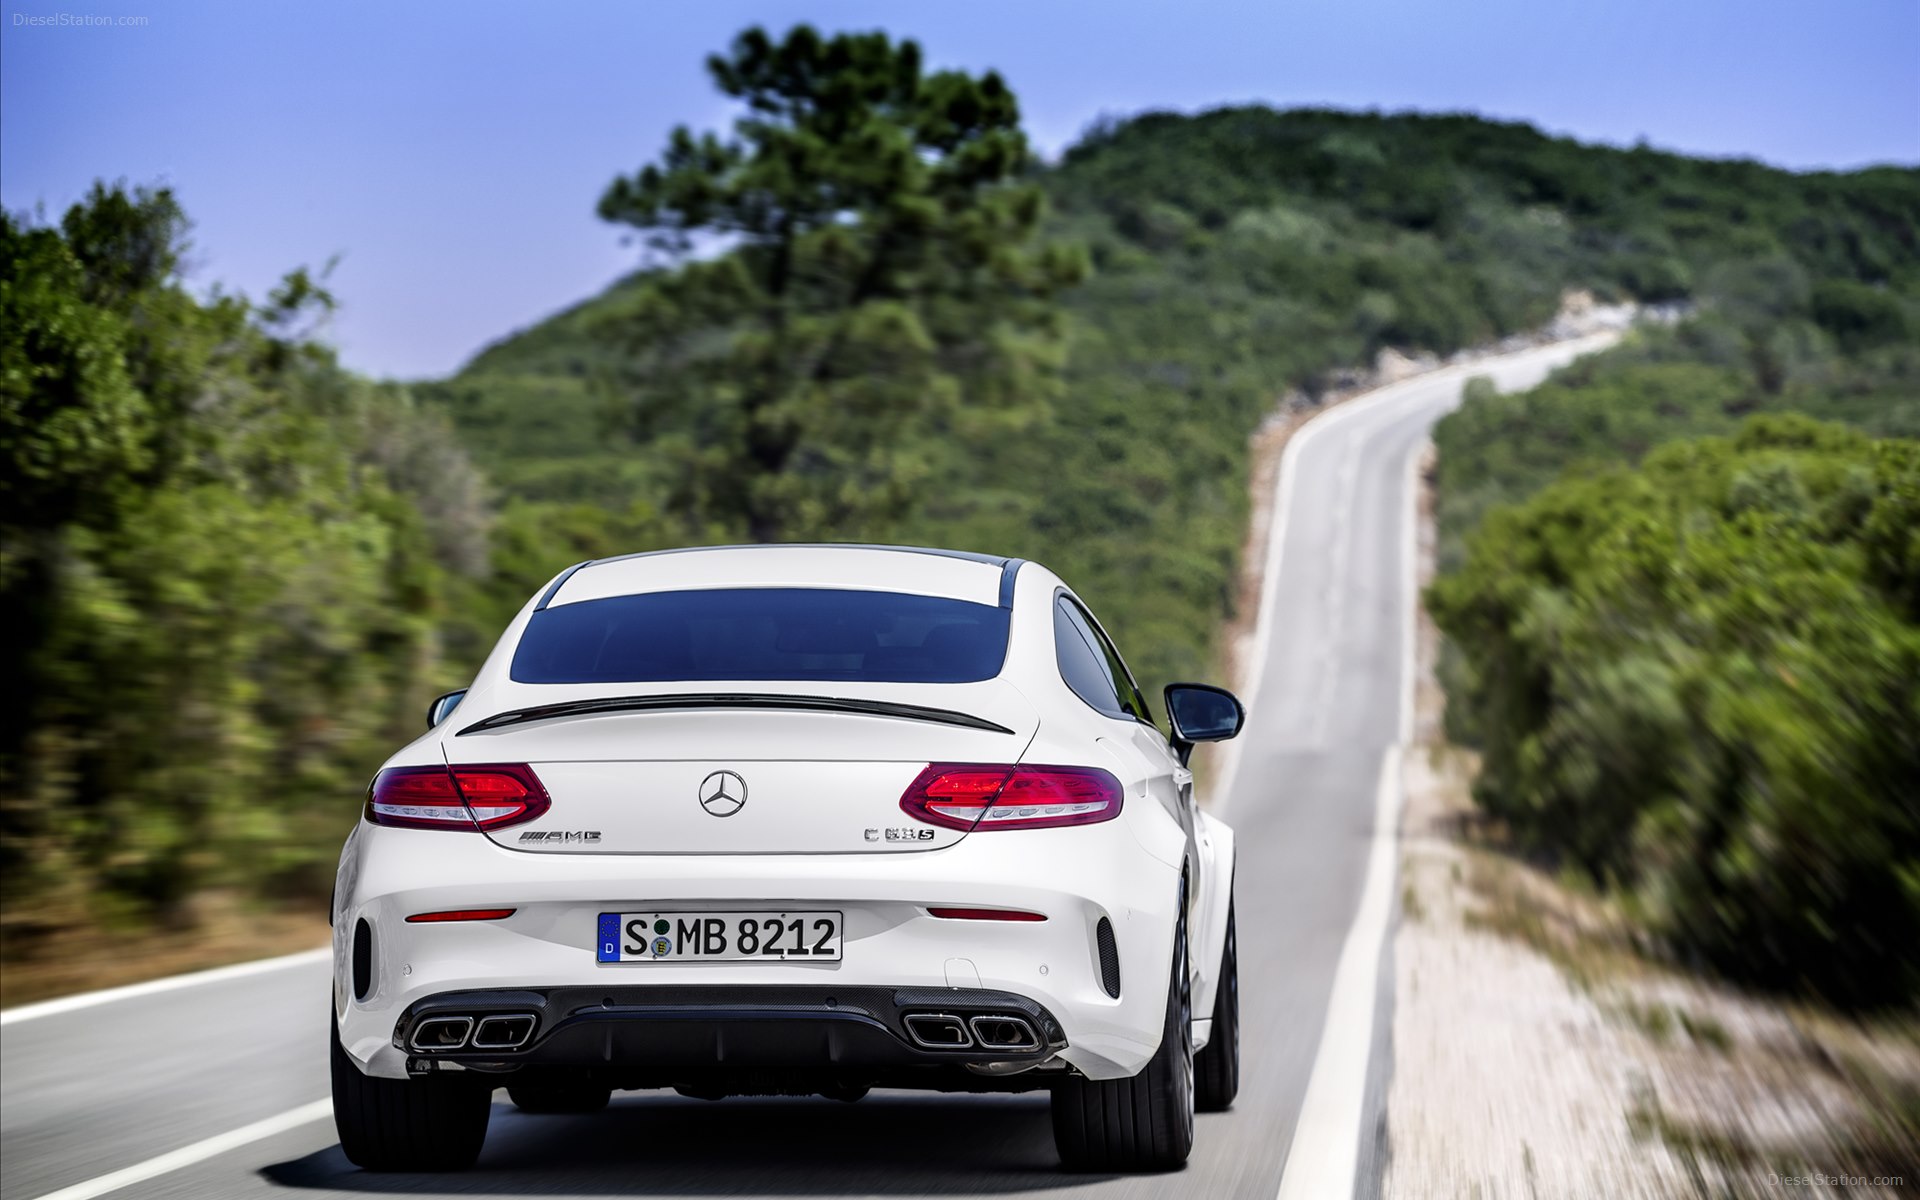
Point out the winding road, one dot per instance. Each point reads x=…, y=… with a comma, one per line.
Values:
x=214, y=1086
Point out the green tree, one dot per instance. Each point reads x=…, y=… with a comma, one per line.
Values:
x=876, y=286
x=69, y=416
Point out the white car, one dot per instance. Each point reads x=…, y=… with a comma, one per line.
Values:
x=791, y=820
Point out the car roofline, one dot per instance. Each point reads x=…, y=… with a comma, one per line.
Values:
x=1009, y=567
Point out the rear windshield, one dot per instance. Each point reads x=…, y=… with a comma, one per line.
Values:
x=814, y=634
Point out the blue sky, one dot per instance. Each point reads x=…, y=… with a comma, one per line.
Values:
x=452, y=153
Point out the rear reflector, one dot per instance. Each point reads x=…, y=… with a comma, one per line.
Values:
x=984, y=914
x=464, y=914
x=488, y=796
x=985, y=796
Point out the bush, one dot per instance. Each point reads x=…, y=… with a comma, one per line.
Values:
x=1861, y=316
x=1700, y=681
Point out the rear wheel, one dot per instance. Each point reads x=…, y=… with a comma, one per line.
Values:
x=1144, y=1122
x=559, y=1097
x=406, y=1124
x=1217, y=1068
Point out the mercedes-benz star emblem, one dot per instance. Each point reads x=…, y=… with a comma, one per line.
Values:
x=723, y=793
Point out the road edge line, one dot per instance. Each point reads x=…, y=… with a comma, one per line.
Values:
x=166, y=983
x=198, y=1152
x=1324, y=1158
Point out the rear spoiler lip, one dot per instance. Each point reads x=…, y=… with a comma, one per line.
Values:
x=610, y=705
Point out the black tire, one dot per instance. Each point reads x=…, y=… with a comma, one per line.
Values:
x=1144, y=1122
x=559, y=1097
x=407, y=1124
x=1216, y=1069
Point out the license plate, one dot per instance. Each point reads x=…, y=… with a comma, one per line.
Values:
x=633, y=937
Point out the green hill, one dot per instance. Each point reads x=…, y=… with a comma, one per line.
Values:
x=1239, y=254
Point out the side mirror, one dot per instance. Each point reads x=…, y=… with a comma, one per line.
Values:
x=1200, y=712
x=443, y=705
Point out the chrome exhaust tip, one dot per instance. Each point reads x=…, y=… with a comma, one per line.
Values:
x=505, y=1032
x=938, y=1031
x=996, y=1032
x=442, y=1033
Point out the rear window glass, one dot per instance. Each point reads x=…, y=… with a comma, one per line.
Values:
x=813, y=634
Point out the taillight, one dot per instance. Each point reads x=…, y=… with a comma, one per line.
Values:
x=464, y=797
x=975, y=796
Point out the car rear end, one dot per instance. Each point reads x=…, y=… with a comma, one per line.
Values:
x=758, y=820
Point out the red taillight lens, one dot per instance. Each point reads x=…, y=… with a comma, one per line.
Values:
x=979, y=914
x=465, y=797
x=981, y=796
x=462, y=914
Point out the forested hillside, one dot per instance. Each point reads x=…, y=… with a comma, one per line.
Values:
x=1237, y=255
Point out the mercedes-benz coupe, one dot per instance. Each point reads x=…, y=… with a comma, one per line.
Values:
x=791, y=820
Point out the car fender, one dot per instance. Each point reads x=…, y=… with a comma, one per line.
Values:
x=1216, y=849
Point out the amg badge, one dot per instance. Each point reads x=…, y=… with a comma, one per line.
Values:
x=561, y=835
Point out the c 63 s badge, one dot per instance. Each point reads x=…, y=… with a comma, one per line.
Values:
x=900, y=835
x=561, y=835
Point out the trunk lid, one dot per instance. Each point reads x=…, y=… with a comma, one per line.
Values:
x=747, y=776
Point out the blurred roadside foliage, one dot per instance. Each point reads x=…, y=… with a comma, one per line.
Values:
x=1699, y=681
x=235, y=572
x=225, y=563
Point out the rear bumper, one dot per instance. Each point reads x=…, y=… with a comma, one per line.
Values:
x=893, y=948
x=716, y=1036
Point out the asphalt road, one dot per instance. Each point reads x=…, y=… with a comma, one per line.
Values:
x=92, y=1091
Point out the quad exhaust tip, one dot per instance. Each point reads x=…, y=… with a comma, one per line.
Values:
x=442, y=1033
x=508, y=1032
x=938, y=1031
x=1004, y=1033
x=987, y=1031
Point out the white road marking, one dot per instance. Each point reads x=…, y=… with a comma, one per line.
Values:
x=50, y=1008
x=1326, y=1141
x=200, y=1151
x=1325, y=1153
